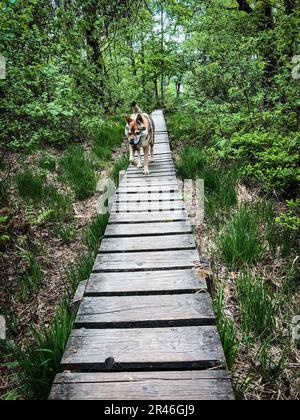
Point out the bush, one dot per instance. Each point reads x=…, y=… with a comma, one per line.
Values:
x=270, y=158
x=120, y=165
x=78, y=172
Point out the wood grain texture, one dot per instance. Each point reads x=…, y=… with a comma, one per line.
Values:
x=147, y=229
x=137, y=218
x=148, y=196
x=147, y=206
x=143, y=348
x=140, y=261
x=147, y=243
x=182, y=386
x=147, y=282
x=145, y=311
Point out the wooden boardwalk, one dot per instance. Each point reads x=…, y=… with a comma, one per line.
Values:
x=146, y=328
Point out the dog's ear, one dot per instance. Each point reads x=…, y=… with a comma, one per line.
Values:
x=139, y=119
x=128, y=119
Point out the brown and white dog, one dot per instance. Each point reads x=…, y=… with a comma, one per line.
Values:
x=140, y=132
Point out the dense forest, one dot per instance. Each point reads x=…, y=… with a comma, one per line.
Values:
x=227, y=75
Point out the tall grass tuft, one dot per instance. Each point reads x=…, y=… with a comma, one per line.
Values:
x=31, y=278
x=78, y=172
x=31, y=187
x=40, y=361
x=256, y=306
x=227, y=331
x=120, y=165
x=95, y=231
x=108, y=138
x=240, y=242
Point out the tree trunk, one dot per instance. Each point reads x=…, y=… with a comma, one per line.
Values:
x=162, y=78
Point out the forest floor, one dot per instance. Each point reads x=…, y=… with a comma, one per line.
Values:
x=36, y=249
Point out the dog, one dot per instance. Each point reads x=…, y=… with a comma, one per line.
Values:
x=140, y=132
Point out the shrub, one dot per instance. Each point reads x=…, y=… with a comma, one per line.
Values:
x=107, y=138
x=78, y=172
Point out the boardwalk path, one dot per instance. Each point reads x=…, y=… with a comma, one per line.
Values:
x=145, y=328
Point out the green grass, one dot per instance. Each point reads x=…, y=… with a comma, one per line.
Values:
x=106, y=139
x=227, y=331
x=31, y=186
x=78, y=171
x=31, y=278
x=47, y=162
x=270, y=367
x=120, y=165
x=240, y=242
x=40, y=361
x=256, y=306
x=95, y=231
x=219, y=182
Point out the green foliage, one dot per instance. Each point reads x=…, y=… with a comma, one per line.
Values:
x=31, y=277
x=270, y=366
x=48, y=163
x=77, y=170
x=95, y=232
x=107, y=138
x=120, y=165
x=31, y=187
x=40, y=361
x=227, y=331
x=269, y=157
x=257, y=306
x=240, y=241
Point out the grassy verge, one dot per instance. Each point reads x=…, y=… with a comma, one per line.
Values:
x=252, y=240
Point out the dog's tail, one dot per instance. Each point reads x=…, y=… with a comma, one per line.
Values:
x=136, y=109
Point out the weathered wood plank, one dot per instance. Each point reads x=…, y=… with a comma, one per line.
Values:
x=144, y=348
x=147, y=229
x=145, y=311
x=147, y=243
x=151, y=196
x=146, y=282
x=137, y=261
x=136, y=189
x=167, y=216
x=147, y=206
x=182, y=386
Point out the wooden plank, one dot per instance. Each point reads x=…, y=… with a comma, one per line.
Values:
x=136, y=189
x=146, y=282
x=140, y=261
x=167, y=216
x=214, y=385
x=155, y=168
x=145, y=311
x=147, y=206
x=147, y=229
x=143, y=348
x=151, y=196
x=147, y=243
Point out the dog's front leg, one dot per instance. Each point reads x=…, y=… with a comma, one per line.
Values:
x=139, y=159
x=132, y=160
x=146, y=160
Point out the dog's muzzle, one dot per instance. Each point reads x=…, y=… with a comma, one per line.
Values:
x=135, y=143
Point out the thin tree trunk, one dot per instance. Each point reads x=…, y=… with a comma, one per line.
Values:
x=162, y=81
